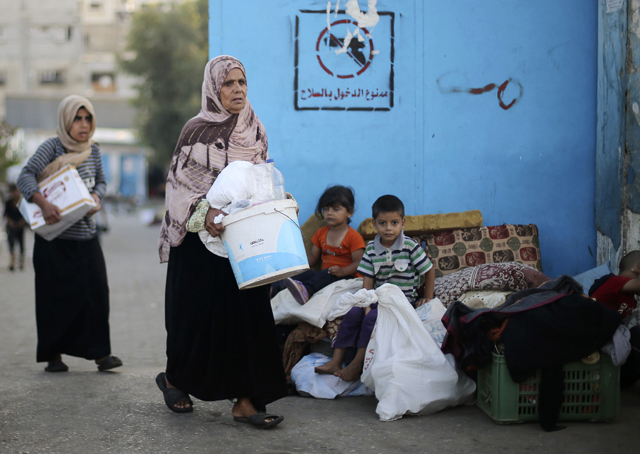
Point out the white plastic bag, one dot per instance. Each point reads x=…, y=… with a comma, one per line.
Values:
x=231, y=191
x=431, y=314
x=287, y=311
x=234, y=183
x=404, y=365
x=361, y=298
x=323, y=386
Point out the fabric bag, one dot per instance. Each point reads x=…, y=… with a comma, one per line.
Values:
x=323, y=386
x=287, y=311
x=403, y=364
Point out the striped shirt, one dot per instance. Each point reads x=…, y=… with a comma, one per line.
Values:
x=402, y=264
x=90, y=171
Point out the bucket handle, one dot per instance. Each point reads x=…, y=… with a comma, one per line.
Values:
x=286, y=216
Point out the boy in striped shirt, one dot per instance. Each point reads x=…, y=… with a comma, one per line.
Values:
x=391, y=258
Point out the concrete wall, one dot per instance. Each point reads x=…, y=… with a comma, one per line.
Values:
x=631, y=160
x=487, y=105
x=618, y=132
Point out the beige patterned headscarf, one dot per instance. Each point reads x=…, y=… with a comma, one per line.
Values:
x=207, y=144
x=77, y=152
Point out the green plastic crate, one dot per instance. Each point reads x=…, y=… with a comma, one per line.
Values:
x=591, y=392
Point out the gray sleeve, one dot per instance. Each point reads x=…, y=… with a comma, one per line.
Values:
x=43, y=156
x=101, y=182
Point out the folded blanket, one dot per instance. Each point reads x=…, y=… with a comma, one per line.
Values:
x=490, y=276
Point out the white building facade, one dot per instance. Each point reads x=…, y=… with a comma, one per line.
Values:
x=52, y=48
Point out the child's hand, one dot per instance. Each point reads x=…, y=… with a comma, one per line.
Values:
x=336, y=271
x=420, y=302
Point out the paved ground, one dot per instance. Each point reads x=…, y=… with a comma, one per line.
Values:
x=85, y=411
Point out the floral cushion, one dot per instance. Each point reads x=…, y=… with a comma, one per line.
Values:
x=453, y=250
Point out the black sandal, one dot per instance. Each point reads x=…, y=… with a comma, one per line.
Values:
x=259, y=420
x=110, y=362
x=173, y=395
x=56, y=366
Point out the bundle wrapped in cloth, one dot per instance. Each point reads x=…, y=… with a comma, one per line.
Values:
x=403, y=363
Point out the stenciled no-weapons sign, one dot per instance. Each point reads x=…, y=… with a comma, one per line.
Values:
x=341, y=64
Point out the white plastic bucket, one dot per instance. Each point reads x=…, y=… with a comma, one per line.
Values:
x=264, y=243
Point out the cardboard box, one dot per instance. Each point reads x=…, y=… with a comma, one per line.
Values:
x=67, y=191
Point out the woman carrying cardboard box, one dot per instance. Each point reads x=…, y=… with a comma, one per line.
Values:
x=72, y=293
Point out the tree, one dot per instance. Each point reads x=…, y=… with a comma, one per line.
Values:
x=7, y=157
x=170, y=50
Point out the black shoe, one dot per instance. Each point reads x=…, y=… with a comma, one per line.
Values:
x=56, y=366
x=110, y=362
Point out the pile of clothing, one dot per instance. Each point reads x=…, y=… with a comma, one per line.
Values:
x=539, y=328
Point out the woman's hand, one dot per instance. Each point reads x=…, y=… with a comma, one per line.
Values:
x=50, y=212
x=367, y=310
x=214, y=229
x=420, y=302
x=336, y=271
x=98, y=206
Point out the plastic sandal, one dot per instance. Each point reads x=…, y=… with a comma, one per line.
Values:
x=110, y=362
x=259, y=420
x=173, y=395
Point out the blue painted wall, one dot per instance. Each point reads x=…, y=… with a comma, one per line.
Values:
x=440, y=148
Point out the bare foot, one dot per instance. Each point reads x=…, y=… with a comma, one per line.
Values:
x=350, y=373
x=330, y=367
x=181, y=403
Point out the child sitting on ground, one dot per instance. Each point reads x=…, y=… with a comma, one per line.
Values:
x=391, y=258
x=339, y=246
x=618, y=293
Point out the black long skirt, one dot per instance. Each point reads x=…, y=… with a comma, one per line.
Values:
x=72, y=299
x=221, y=341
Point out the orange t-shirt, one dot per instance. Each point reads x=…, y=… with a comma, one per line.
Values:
x=338, y=256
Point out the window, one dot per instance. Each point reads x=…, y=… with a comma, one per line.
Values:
x=56, y=34
x=51, y=77
x=95, y=5
x=3, y=78
x=103, y=82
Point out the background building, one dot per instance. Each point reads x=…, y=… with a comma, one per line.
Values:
x=41, y=48
x=52, y=48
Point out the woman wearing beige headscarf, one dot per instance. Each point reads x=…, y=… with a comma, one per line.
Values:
x=72, y=294
x=221, y=342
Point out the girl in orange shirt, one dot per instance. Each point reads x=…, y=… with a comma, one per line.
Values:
x=339, y=246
